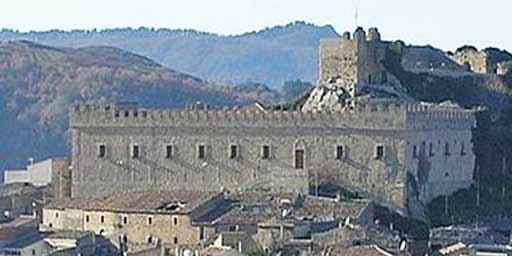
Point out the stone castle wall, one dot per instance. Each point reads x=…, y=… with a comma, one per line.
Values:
x=476, y=61
x=391, y=126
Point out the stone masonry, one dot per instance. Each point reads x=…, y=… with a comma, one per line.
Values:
x=399, y=154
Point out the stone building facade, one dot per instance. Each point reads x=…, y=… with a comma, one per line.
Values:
x=400, y=154
x=370, y=150
x=53, y=172
x=138, y=220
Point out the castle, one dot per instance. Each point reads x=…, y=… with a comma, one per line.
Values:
x=400, y=154
x=487, y=61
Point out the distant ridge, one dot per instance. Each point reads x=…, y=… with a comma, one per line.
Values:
x=271, y=56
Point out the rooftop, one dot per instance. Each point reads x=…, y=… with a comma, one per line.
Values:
x=9, y=233
x=25, y=240
x=369, y=250
x=162, y=202
x=261, y=208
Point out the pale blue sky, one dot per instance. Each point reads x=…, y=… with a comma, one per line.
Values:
x=442, y=23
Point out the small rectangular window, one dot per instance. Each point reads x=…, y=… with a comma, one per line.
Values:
x=56, y=215
x=379, y=152
x=175, y=240
x=87, y=218
x=135, y=151
x=339, y=152
x=299, y=159
x=233, y=151
x=201, y=152
x=168, y=151
x=102, y=151
x=447, y=149
x=102, y=219
x=415, y=151
x=175, y=220
x=150, y=220
x=431, y=149
x=462, y=149
x=265, y=152
x=125, y=220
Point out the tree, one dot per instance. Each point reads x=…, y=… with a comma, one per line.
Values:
x=294, y=89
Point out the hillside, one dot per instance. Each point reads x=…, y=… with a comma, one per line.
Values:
x=38, y=84
x=270, y=56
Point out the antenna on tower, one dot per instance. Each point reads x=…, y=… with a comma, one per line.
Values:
x=357, y=17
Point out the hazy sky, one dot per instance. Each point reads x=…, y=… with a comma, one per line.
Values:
x=442, y=23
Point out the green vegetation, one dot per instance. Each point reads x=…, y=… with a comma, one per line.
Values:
x=292, y=90
x=414, y=228
x=427, y=87
x=466, y=206
x=295, y=104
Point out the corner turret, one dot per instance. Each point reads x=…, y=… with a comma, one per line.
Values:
x=373, y=35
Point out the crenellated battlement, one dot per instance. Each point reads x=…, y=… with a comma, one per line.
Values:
x=370, y=116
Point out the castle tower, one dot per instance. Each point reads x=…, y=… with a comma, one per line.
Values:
x=373, y=35
x=350, y=63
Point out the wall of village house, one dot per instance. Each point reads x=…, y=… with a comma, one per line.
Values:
x=137, y=228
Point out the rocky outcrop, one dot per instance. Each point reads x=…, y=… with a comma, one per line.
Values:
x=327, y=97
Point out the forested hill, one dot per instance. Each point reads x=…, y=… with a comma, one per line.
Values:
x=38, y=85
x=270, y=56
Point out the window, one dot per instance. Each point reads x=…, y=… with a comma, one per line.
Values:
x=414, y=151
x=50, y=225
x=149, y=239
x=201, y=233
x=175, y=240
x=201, y=152
x=135, y=151
x=87, y=218
x=150, y=220
x=384, y=77
x=462, y=149
x=233, y=151
x=299, y=159
x=339, y=152
x=33, y=252
x=56, y=215
x=379, y=152
x=370, y=79
x=102, y=151
x=447, y=149
x=168, y=151
x=265, y=152
x=175, y=220
x=431, y=149
x=125, y=220
x=102, y=219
